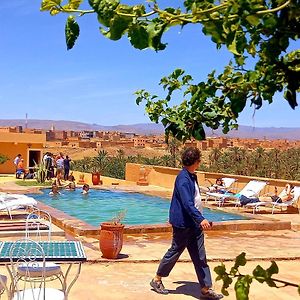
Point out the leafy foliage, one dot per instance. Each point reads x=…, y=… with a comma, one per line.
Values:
x=115, y=165
x=274, y=163
x=243, y=282
x=259, y=31
x=41, y=172
x=3, y=158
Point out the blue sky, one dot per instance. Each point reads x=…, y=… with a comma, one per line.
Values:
x=95, y=81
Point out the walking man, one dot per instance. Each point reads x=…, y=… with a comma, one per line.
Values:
x=188, y=224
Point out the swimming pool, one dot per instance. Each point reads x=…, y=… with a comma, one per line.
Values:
x=102, y=205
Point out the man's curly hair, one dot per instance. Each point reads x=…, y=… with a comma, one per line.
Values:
x=190, y=156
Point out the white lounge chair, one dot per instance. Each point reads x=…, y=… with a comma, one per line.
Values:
x=256, y=206
x=9, y=202
x=228, y=182
x=296, y=195
x=250, y=190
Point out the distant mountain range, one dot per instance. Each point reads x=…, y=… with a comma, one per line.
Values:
x=151, y=128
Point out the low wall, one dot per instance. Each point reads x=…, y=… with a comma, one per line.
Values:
x=105, y=180
x=165, y=177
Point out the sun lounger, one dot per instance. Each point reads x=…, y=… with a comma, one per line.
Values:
x=251, y=190
x=228, y=182
x=9, y=202
x=286, y=204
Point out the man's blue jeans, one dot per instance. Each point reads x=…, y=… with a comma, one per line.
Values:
x=193, y=240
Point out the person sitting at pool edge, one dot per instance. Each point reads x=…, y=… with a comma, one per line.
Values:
x=71, y=186
x=85, y=188
x=285, y=195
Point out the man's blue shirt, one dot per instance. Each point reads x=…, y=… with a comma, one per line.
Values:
x=183, y=212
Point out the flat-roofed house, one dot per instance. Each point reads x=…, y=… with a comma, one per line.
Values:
x=29, y=145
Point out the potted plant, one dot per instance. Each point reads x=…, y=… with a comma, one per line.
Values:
x=111, y=236
x=99, y=163
x=96, y=177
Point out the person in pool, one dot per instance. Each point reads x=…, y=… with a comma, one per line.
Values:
x=85, y=189
x=54, y=190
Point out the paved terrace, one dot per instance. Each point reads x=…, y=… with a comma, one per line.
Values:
x=129, y=276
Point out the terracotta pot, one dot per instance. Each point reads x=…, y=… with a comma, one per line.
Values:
x=95, y=178
x=111, y=239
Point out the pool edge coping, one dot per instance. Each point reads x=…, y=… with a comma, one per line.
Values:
x=78, y=227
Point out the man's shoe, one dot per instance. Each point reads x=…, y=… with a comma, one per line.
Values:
x=211, y=294
x=158, y=287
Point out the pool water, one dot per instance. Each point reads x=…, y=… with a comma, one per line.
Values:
x=102, y=205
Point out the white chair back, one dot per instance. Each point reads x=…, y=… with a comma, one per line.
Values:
x=38, y=224
x=296, y=194
x=253, y=188
x=228, y=181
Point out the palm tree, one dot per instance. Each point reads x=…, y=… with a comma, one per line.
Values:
x=173, y=148
x=101, y=161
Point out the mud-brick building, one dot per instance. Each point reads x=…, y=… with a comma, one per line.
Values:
x=29, y=145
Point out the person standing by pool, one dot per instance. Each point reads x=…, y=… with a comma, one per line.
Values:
x=66, y=167
x=16, y=161
x=59, y=166
x=188, y=224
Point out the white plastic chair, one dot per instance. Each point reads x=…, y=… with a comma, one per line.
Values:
x=28, y=255
x=38, y=225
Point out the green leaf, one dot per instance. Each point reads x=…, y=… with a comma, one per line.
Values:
x=233, y=47
x=49, y=4
x=155, y=31
x=105, y=10
x=71, y=32
x=273, y=269
x=138, y=36
x=199, y=132
x=260, y=274
x=242, y=287
x=270, y=21
x=240, y=260
x=73, y=4
x=253, y=20
x=220, y=270
x=118, y=25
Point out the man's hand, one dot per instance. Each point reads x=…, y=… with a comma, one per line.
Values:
x=205, y=224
